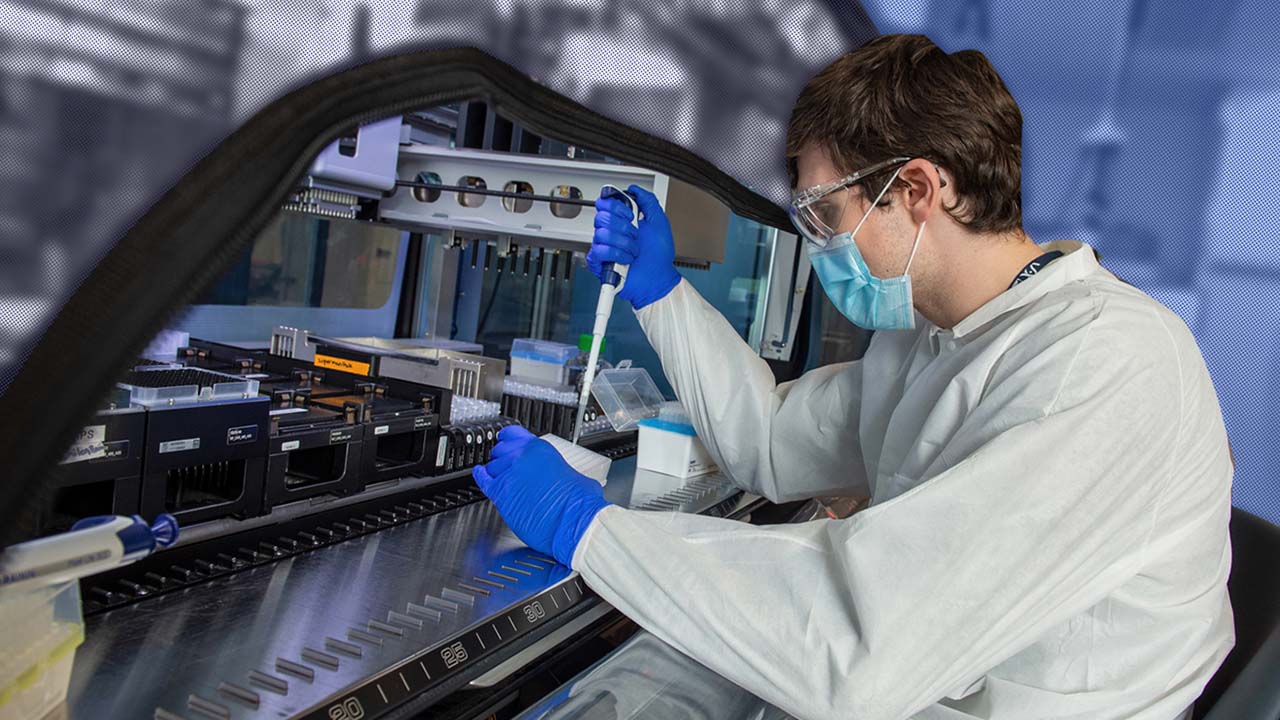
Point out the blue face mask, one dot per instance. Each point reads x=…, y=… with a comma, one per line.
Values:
x=868, y=301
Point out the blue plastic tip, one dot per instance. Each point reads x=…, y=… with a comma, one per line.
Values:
x=165, y=529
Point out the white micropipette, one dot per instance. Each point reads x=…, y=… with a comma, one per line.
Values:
x=92, y=545
x=614, y=276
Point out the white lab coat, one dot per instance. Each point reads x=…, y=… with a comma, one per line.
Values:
x=1047, y=538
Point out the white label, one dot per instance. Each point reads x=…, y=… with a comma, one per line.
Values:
x=381, y=429
x=173, y=446
x=444, y=446
x=89, y=444
x=242, y=434
x=286, y=411
x=291, y=445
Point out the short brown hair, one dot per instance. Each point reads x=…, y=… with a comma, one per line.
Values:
x=901, y=95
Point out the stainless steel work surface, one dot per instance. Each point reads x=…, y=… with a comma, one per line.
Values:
x=364, y=596
x=647, y=679
x=631, y=487
x=299, y=635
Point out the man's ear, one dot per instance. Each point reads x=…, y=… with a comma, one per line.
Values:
x=923, y=188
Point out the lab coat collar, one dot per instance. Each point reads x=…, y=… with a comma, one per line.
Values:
x=1078, y=261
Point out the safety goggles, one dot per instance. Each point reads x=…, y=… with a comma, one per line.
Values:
x=816, y=211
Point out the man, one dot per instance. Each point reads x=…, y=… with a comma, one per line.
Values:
x=1044, y=452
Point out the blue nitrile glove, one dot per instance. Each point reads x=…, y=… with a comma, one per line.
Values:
x=547, y=503
x=650, y=250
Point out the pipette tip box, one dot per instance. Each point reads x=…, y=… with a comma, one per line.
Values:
x=669, y=444
x=41, y=629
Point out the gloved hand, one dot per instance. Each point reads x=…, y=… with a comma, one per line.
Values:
x=650, y=251
x=545, y=502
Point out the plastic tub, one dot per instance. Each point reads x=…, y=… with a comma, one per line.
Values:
x=41, y=629
x=627, y=396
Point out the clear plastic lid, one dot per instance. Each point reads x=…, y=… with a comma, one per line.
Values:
x=627, y=396
x=547, y=351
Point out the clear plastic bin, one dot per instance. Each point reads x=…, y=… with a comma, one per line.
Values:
x=41, y=629
x=627, y=396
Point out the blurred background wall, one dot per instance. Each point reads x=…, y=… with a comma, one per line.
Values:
x=1150, y=132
